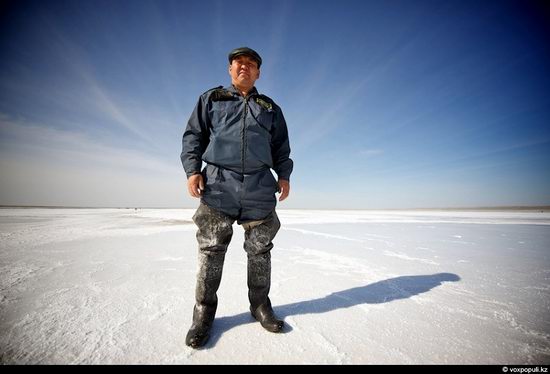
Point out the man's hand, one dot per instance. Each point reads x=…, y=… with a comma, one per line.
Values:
x=195, y=185
x=284, y=189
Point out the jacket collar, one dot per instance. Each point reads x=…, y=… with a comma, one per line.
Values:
x=232, y=89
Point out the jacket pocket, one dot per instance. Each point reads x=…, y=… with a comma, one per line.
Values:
x=268, y=180
x=211, y=174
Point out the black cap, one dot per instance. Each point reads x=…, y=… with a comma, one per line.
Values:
x=245, y=51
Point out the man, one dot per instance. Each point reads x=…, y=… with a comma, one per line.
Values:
x=241, y=135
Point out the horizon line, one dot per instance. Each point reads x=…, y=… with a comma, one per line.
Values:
x=466, y=208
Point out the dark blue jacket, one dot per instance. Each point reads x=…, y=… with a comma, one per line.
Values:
x=240, y=139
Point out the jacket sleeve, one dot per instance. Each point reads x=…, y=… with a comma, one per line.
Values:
x=280, y=147
x=195, y=138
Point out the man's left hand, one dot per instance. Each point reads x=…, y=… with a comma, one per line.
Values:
x=284, y=189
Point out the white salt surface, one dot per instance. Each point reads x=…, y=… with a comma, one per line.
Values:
x=105, y=286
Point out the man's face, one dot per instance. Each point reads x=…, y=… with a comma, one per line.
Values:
x=244, y=71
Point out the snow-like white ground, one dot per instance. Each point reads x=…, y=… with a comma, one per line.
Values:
x=384, y=287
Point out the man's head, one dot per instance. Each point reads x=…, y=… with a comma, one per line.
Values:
x=244, y=67
x=245, y=51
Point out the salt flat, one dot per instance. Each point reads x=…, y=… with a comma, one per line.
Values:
x=354, y=287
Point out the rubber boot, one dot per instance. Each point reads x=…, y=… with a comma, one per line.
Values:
x=213, y=236
x=199, y=333
x=259, y=282
x=208, y=282
x=265, y=315
x=258, y=244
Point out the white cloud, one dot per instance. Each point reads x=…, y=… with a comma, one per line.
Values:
x=370, y=152
x=34, y=140
x=41, y=165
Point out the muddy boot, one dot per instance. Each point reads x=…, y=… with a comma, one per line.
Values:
x=258, y=245
x=214, y=235
x=265, y=315
x=208, y=281
x=199, y=333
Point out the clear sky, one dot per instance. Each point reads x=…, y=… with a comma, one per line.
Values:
x=390, y=104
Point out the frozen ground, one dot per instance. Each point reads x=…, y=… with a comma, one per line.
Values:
x=385, y=287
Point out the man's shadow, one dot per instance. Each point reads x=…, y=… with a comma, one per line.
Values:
x=375, y=293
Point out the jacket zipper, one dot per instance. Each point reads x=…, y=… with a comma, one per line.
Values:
x=243, y=135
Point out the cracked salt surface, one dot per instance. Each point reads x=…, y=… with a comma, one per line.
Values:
x=385, y=287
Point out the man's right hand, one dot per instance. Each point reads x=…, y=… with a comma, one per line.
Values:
x=195, y=185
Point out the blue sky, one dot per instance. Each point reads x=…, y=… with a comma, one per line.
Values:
x=389, y=104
